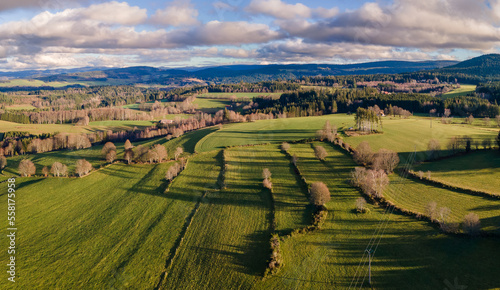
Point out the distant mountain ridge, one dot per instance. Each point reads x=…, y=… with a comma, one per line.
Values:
x=237, y=73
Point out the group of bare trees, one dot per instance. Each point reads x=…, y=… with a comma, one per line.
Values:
x=385, y=160
x=371, y=181
x=174, y=170
x=319, y=194
x=471, y=224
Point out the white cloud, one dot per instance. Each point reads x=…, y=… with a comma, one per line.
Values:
x=178, y=14
x=282, y=10
x=114, y=12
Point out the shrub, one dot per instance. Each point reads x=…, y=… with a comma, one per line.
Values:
x=319, y=194
x=285, y=146
x=320, y=153
x=472, y=224
x=420, y=174
x=361, y=205
x=266, y=173
x=275, y=260
x=267, y=183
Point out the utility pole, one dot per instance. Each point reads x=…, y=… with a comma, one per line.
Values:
x=369, y=266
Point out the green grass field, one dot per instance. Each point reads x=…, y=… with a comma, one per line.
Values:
x=479, y=170
x=118, y=229
x=269, y=131
x=112, y=229
x=20, y=107
x=210, y=106
x=6, y=126
x=407, y=135
x=93, y=155
x=414, y=195
x=462, y=91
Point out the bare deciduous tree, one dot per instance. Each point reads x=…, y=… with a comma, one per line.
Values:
x=363, y=154
x=127, y=145
x=83, y=167
x=59, y=169
x=431, y=210
x=361, y=205
x=27, y=168
x=386, y=160
x=45, y=171
x=3, y=163
x=472, y=224
x=178, y=152
x=128, y=155
x=267, y=183
x=161, y=152
x=111, y=156
x=320, y=153
x=285, y=146
x=109, y=146
x=266, y=173
x=319, y=194
x=295, y=159
x=433, y=148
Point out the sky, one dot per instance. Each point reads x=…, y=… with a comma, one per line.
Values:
x=50, y=34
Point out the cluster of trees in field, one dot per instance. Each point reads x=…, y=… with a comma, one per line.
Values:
x=27, y=168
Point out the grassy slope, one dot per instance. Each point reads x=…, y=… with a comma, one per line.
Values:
x=227, y=244
x=112, y=229
x=408, y=250
x=462, y=91
x=210, y=105
x=94, y=155
x=407, y=135
x=479, y=170
x=276, y=131
x=238, y=95
x=69, y=128
x=415, y=196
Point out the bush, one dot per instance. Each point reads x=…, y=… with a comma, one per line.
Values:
x=267, y=183
x=275, y=260
x=320, y=153
x=266, y=174
x=285, y=146
x=472, y=224
x=361, y=205
x=319, y=194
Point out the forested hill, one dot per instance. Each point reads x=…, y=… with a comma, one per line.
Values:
x=486, y=67
x=238, y=73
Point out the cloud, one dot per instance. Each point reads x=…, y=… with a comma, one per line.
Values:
x=39, y=4
x=178, y=14
x=282, y=10
x=432, y=24
x=114, y=12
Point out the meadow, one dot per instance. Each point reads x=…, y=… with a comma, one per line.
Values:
x=478, y=170
x=211, y=106
x=464, y=90
x=120, y=227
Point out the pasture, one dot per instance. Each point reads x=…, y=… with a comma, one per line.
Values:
x=478, y=170
x=464, y=90
x=119, y=228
